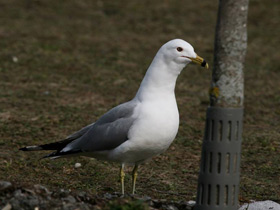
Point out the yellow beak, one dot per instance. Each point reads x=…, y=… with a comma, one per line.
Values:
x=199, y=60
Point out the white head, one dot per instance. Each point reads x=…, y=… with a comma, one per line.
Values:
x=179, y=52
x=162, y=74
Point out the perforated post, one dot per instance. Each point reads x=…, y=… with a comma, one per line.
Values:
x=220, y=160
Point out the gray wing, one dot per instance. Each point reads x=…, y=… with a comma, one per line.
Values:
x=108, y=132
x=79, y=133
x=59, y=144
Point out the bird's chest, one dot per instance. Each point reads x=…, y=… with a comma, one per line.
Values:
x=157, y=127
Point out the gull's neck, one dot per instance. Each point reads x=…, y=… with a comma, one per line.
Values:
x=159, y=81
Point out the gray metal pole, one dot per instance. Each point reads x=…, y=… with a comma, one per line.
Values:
x=218, y=184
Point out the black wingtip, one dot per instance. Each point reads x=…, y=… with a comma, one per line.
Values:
x=23, y=149
x=53, y=154
x=58, y=154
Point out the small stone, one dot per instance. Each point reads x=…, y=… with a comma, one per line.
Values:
x=67, y=206
x=69, y=199
x=7, y=207
x=82, y=194
x=63, y=193
x=46, y=93
x=15, y=59
x=32, y=201
x=191, y=203
x=18, y=194
x=78, y=165
x=28, y=191
x=261, y=205
x=4, y=185
x=41, y=189
x=171, y=207
x=145, y=198
x=108, y=196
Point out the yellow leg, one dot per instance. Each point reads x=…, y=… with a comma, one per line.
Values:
x=134, y=177
x=122, y=174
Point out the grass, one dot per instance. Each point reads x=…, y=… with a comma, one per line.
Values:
x=63, y=64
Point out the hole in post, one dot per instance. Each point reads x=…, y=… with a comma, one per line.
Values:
x=209, y=195
x=212, y=130
x=219, y=163
x=233, y=195
x=210, y=161
x=237, y=130
x=226, y=195
x=229, y=131
x=199, y=194
x=202, y=193
x=204, y=161
x=218, y=195
x=227, y=162
x=207, y=130
x=220, y=133
x=235, y=163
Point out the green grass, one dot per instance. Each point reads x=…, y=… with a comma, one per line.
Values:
x=77, y=59
x=127, y=205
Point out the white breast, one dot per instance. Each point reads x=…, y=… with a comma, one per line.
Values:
x=152, y=133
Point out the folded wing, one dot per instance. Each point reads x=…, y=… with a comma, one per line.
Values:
x=107, y=133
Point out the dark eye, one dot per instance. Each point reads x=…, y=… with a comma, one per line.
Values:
x=179, y=49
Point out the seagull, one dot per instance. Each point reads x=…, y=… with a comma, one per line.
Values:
x=134, y=132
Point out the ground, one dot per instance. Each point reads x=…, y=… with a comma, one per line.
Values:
x=63, y=64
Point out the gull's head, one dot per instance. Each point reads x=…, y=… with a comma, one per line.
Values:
x=180, y=53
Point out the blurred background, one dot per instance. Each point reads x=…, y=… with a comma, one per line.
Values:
x=65, y=63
